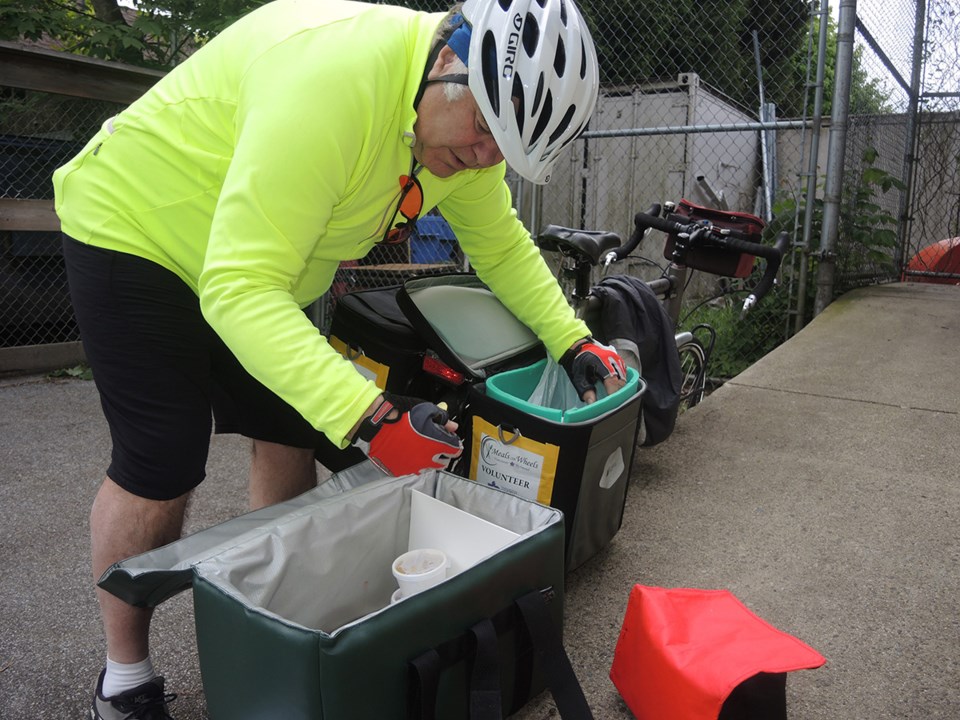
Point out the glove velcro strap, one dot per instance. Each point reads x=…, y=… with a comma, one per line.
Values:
x=381, y=416
x=371, y=425
x=566, y=360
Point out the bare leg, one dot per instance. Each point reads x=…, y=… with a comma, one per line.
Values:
x=122, y=525
x=279, y=472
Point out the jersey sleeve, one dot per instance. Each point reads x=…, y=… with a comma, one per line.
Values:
x=289, y=168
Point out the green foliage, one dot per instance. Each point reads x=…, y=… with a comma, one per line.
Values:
x=868, y=96
x=741, y=339
x=659, y=39
x=160, y=34
x=80, y=372
x=867, y=229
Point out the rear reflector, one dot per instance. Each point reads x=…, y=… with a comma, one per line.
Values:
x=438, y=368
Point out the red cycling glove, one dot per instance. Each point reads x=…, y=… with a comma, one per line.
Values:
x=407, y=435
x=590, y=363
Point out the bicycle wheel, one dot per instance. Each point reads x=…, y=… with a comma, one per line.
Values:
x=693, y=366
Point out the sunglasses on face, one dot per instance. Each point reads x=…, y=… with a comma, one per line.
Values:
x=409, y=206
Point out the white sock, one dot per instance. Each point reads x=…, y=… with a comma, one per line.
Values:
x=121, y=677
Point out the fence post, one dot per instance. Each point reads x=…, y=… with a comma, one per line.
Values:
x=910, y=142
x=812, y=172
x=833, y=191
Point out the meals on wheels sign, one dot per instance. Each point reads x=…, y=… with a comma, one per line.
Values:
x=506, y=460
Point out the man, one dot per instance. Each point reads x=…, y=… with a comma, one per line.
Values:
x=202, y=219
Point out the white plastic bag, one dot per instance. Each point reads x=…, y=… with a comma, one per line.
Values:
x=555, y=390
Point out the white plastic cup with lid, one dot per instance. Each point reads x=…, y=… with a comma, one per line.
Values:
x=418, y=570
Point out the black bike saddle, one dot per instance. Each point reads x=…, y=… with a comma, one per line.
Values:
x=589, y=244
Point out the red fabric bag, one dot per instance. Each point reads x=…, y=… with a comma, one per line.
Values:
x=681, y=652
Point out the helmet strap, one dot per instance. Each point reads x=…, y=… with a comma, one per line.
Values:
x=458, y=78
x=431, y=61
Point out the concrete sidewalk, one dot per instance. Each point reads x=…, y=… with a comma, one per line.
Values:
x=820, y=486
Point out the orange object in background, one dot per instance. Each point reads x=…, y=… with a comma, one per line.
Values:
x=936, y=263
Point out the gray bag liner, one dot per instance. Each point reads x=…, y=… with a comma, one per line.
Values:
x=353, y=526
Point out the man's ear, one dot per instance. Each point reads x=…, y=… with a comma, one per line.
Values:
x=444, y=62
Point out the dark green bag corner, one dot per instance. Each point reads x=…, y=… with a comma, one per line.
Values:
x=293, y=605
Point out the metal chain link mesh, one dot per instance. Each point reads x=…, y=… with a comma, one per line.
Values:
x=38, y=133
x=641, y=150
x=934, y=204
x=678, y=119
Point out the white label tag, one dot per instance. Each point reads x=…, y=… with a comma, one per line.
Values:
x=612, y=469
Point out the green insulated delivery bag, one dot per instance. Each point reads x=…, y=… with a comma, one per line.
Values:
x=299, y=616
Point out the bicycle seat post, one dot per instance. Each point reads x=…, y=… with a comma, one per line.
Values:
x=582, y=281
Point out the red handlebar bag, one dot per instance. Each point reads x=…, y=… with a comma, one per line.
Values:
x=687, y=654
x=717, y=261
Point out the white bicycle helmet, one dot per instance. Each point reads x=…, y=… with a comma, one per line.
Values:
x=541, y=53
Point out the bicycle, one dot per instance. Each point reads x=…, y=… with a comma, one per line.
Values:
x=692, y=243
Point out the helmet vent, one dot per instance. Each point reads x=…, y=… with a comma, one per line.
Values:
x=542, y=3
x=563, y=13
x=488, y=60
x=538, y=95
x=505, y=4
x=520, y=107
x=531, y=35
x=543, y=119
x=563, y=124
x=583, y=61
x=560, y=59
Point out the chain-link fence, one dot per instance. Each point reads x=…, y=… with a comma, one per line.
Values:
x=932, y=217
x=715, y=102
x=678, y=118
x=38, y=133
x=705, y=103
x=903, y=148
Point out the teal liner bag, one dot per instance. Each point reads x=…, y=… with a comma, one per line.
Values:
x=294, y=614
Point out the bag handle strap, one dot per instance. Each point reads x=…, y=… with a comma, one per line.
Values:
x=485, y=700
x=422, y=697
x=485, y=693
x=548, y=646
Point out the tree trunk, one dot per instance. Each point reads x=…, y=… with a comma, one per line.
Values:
x=108, y=11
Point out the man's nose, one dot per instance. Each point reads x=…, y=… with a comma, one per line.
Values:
x=487, y=152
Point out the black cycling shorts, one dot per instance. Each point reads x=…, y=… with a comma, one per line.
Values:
x=164, y=375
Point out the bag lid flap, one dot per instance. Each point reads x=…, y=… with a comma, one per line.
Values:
x=148, y=579
x=464, y=322
x=746, y=223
